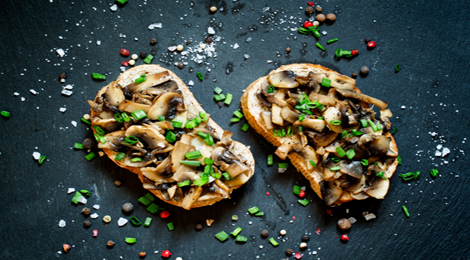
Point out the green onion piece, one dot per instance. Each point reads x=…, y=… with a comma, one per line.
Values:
x=376, y=163
x=135, y=221
x=271, y=88
x=90, y=156
x=86, y=121
x=409, y=176
x=177, y=124
x=372, y=125
x=201, y=181
x=121, y=1
x=148, y=59
x=85, y=192
x=149, y=197
x=78, y=146
x=218, y=90
x=216, y=175
x=350, y=154
x=5, y=113
x=139, y=114
x=148, y=220
x=339, y=53
x=314, y=28
x=199, y=75
x=238, y=114
x=208, y=161
x=320, y=117
x=343, y=135
x=312, y=163
x=320, y=46
x=335, y=122
x=405, y=210
x=356, y=132
x=259, y=214
x=335, y=159
x=130, y=240
x=347, y=54
x=336, y=168
x=275, y=132
x=296, y=189
x=190, y=124
x=283, y=132
x=253, y=210
x=316, y=34
x=136, y=159
x=125, y=117
x=304, y=31
x=98, y=76
x=395, y=130
x=77, y=198
x=204, y=116
x=300, y=128
x=332, y=40
x=161, y=118
x=326, y=82
x=144, y=201
x=209, y=140
x=235, y=120
x=245, y=127
x=154, y=208
x=170, y=137
x=130, y=140
x=219, y=97
x=340, y=152
x=193, y=155
x=236, y=231
x=184, y=183
x=399, y=159
x=379, y=126
x=434, y=172
x=226, y=176
x=120, y=156
x=363, y=123
x=283, y=165
x=365, y=162
x=270, y=159
x=302, y=117
x=141, y=79
x=234, y=217
x=228, y=99
x=273, y=241
x=202, y=135
x=99, y=130
x=241, y=239
x=289, y=130
x=118, y=117
x=222, y=236
x=397, y=68
x=191, y=163
x=100, y=138
x=170, y=226
x=303, y=202
x=381, y=175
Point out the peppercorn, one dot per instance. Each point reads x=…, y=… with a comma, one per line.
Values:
x=367, y=39
x=319, y=9
x=142, y=254
x=86, y=224
x=309, y=10
x=180, y=65
x=134, y=56
x=62, y=76
x=330, y=17
x=283, y=232
x=344, y=238
x=354, y=75
x=153, y=41
x=198, y=227
x=310, y=4
x=86, y=211
x=213, y=9
x=66, y=247
x=110, y=243
x=288, y=49
x=89, y=143
x=208, y=40
x=202, y=46
x=303, y=245
x=289, y=251
x=364, y=70
x=143, y=55
x=265, y=233
x=321, y=18
x=118, y=183
x=127, y=207
x=308, y=24
x=371, y=44
x=305, y=238
x=355, y=52
x=344, y=224
x=124, y=52
x=220, y=104
x=188, y=42
x=316, y=23
x=107, y=219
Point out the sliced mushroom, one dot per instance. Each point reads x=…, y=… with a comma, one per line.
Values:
x=283, y=150
x=283, y=79
x=303, y=80
x=238, y=181
x=151, y=137
x=171, y=191
x=276, y=109
x=331, y=115
x=152, y=80
x=266, y=119
x=185, y=172
x=107, y=124
x=129, y=106
x=362, y=97
x=191, y=197
x=352, y=168
x=322, y=99
x=392, y=150
x=264, y=101
x=322, y=139
x=114, y=94
x=113, y=141
x=330, y=192
x=289, y=115
x=229, y=162
x=360, y=196
x=355, y=185
x=158, y=174
x=313, y=124
x=337, y=80
x=169, y=86
x=167, y=105
x=380, y=146
x=178, y=153
x=308, y=153
x=385, y=115
x=202, y=146
x=100, y=111
x=377, y=187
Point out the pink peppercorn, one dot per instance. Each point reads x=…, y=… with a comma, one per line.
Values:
x=166, y=253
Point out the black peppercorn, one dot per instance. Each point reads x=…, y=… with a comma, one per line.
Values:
x=88, y=143
x=367, y=39
x=289, y=251
x=364, y=70
x=86, y=223
x=309, y=10
x=288, y=49
x=354, y=75
x=305, y=238
x=265, y=233
x=198, y=227
x=127, y=207
x=86, y=211
x=211, y=189
x=143, y=55
x=153, y=41
x=180, y=65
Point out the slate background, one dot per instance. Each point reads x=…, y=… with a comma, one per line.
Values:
x=429, y=39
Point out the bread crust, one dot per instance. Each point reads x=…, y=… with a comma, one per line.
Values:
x=128, y=77
x=252, y=107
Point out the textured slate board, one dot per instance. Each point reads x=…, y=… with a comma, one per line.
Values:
x=428, y=38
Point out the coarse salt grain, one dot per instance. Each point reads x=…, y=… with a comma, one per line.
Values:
x=369, y=216
x=74, y=123
x=70, y=190
x=60, y=52
x=113, y=8
x=34, y=92
x=155, y=25
x=62, y=223
x=62, y=109
x=36, y=155
x=67, y=92
x=122, y=221
x=94, y=216
x=236, y=46
x=96, y=206
x=211, y=31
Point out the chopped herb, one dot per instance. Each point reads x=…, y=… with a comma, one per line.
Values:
x=253, y=210
x=320, y=117
x=332, y=40
x=228, y=99
x=130, y=140
x=146, y=199
x=303, y=202
x=148, y=59
x=100, y=138
x=296, y=190
x=238, y=114
x=90, y=156
x=335, y=159
x=98, y=76
x=234, y=217
x=161, y=118
x=148, y=220
x=340, y=152
x=339, y=53
x=235, y=120
x=120, y=156
x=344, y=134
x=142, y=78
x=193, y=155
x=139, y=114
x=283, y=165
x=316, y=34
x=405, y=210
x=99, y=130
x=399, y=159
x=314, y=28
x=301, y=118
x=226, y=176
x=271, y=88
x=365, y=162
x=5, y=113
x=356, y=132
x=241, y=239
x=130, y=240
x=381, y=175
x=191, y=163
x=170, y=226
x=397, y=68
x=208, y=161
x=395, y=130
x=434, y=172
x=218, y=90
x=409, y=176
x=320, y=46
x=184, y=183
x=125, y=117
x=270, y=160
x=177, y=124
x=121, y=1
x=372, y=125
x=201, y=181
x=78, y=146
x=77, y=197
x=86, y=121
x=304, y=31
x=259, y=214
x=118, y=117
x=204, y=116
x=300, y=128
x=41, y=159
x=245, y=127
x=336, y=168
x=209, y=140
x=222, y=236
x=273, y=242
x=219, y=97
x=199, y=75
x=283, y=132
x=236, y=231
x=350, y=154
x=154, y=208
x=135, y=221
x=312, y=163
x=170, y=137
x=335, y=122
x=363, y=123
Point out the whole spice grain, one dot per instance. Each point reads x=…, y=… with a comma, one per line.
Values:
x=319, y=9
x=305, y=238
x=354, y=75
x=110, y=243
x=208, y=40
x=180, y=65
x=344, y=238
x=309, y=10
x=142, y=254
x=143, y=55
x=124, y=52
x=265, y=233
x=320, y=17
x=127, y=207
x=180, y=47
x=198, y=227
x=107, y=219
x=153, y=41
x=86, y=224
x=118, y=183
x=303, y=245
x=62, y=76
x=344, y=224
x=289, y=251
x=213, y=9
x=330, y=17
x=86, y=211
x=367, y=39
x=364, y=70
x=66, y=247
x=288, y=49
x=88, y=143
x=134, y=56
x=283, y=232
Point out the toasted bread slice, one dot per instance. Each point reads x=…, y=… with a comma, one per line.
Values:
x=173, y=124
x=301, y=127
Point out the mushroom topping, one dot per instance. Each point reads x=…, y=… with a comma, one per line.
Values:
x=385, y=114
x=289, y=115
x=158, y=174
x=334, y=119
x=129, y=106
x=107, y=124
x=191, y=197
x=98, y=109
x=185, y=172
x=151, y=137
x=276, y=109
x=264, y=101
x=377, y=187
x=380, y=146
x=228, y=162
x=303, y=80
x=178, y=153
x=283, y=79
x=322, y=99
x=167, y=105
x=113, y=141
x=308, y=153
x=322, y=139
x=266, y=118
x=362, y=97
x=152, y=80
x=237, y=181
x=314, y=124
x=169, y=86
x=352, y=168
x=330, y=192
x=114, y=94
x=338, y=81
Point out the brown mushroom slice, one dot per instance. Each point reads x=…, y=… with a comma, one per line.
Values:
x=237, y=181
x=385, y=115
x=171, y=191
x=356, y=187
x=283, y=150
x=353, y=169
x=152, y=80
x=392, y=150
x=167, y=105
x=228, y=162
x=289, y=115
x=309, y=123
x=185, y=172
x=380, y=146
x=363, y=97
x=264, y=101
x=266, y=119
x=168, y=86
x=322, y=99
x=283, y=79
x=191, y=197
x=107, y=124
x=276, y=109
x=322, y=139
x=113, y=141
x=129, y=106
x=179, y=150
x=360, y=196
x=308, y=153
x=377, y=188
x=158, y=174
x=330, y=192
x=332, y=114
x=337, y=80
x=98, y=109
x=151, y=137
x=202, y=146
x=114, y=94
x=327, y=173
x=236, y=168
x=222, y=185
x=146, y=160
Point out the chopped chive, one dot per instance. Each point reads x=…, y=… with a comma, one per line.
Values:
x=344, y=134
x=320, y=46
x=208, y=161
x=130, y=140
x=146, y=200
x=340, y=152
x=434, y=172
x=275, y=132
x=399, y=159
x=100, y=138
x=259, y=214
x=379, y=126
x=238, y=114
x=270, y=159
x=139, y=114
x=99, y=130
x=347, y=54
x=204, y=116
x=118, y=118
x=241, y=239
x=219, y=97
x=234, y=217
x=120, y=156
x=245, y=127
x=273, y=241
x=363, y=123
x=312, y=163
x=395, y=130
x=253, y=210
x=397, y=68
x=177, y=124
x=316, y=34
x=98, y=76
x=372, y=125
x=381, y=175
x=90, y=156
x=228, y=99
x=332, y=40
x=121, y=1
x=304, y=31
x=130, y=240
x=303, y=202
x=201, y=181
x=148, y=59
x=283, y=132
x=85, y=192
x=184, y=183
x=271, y=88
x=141, y=79
x=314, y=28
x=161, y=118
x=222, y=236
x=235, y=120
x=86, y=121
x=226, y=176
x=336, y=168
x=300, y=128
x=335, y=122
x=5, y=113
x=350, y=154
x=170, y=137
x=154, y=208
x=283, y=165
x=170, y=226
x=409, y=176
x=236, y=231
x=335, y=159
x=218, y=90
x=135, y=221
x=77, y=198
x=326, y=82
x=296, y=190
x=405, y=210
x=301, y=118
x=136, y=159
x=191, y=163
x=193, y=155
x=148, y=220
x=339, y=53
x=356, y=132
x=126, y=117
x=209, y=140
x=320, y=117
x=199, y=75
x=365, y=162
x=78, y=146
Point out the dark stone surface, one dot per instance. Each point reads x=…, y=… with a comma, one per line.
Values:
x=430, y=39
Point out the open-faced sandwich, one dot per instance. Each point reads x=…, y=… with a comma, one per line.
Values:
x=148, y=122
x=320, y=120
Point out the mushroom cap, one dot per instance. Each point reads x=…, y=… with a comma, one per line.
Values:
x=283, y=79
x=114, y=94
x=167, y=105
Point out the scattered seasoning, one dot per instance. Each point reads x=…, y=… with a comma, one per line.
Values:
x=309, y=10
x=305, y=238
x=310, y=4
x=273, y=241
x=86, y=211
x=303, y=245
x=320, y=46
x=321, y=18
x=198, y=227
x=371, y=44
x=95, y=233
x=88, y=143
x=125, y=63
x=308, y=24
x=289, y=251
x=364, y=70
x=318, y=231
x=397, y=68
x=344, y=238
x=135, y=221
x=399, y=159
x=331, y=17
x=170, y=226
x=319, y=8
x=288, y=49
x=209, y=222
x=148, y=220
x=127, y=207
x=332, y=41
x=221, y=236
x=405, y=210
x=180, y=65
x=143, y=55
x=303, y=202
x=124, y=52
x=107, y=219
x=213, y=9
x=153, y=41
x=166, y=253
x=118, y=183
x=110, y=243
x=268, y=193
x=164, y=214
x=142, y=254
x=283, y=232
x=208, y=40
x=367, y=40
x=344, y=224
x=409, y=176
x=86, y=224
x=134, y=56
x=179, y=47
x=355, y=52
x=199, y=75
x=62, y=76
x=265, y=233
x=302, y=193
x=66, y=247
x=434, y=172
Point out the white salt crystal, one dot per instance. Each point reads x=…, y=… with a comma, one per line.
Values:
x=62, y=223
x=74, y=123
x=60, y=52
x=210, y=30
x=155, y=25
x=70, y=190
x=445, y=152
x=191, y=83
x=369, y=216
x=236, y=46
x=113, y=8
x=94, y=216
x=34, y=92
x=62, y=109
x=66, y=92
x=36, y=155
x=122, y=222
x=96, y=206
